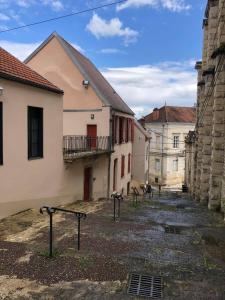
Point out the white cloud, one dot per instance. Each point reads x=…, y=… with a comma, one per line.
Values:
x=172, y=5
x=3, y=27
x=149, y=86
x=4, y=17
x=19, y=50
x=111, y=51
x=100, y=27
x=54, y=4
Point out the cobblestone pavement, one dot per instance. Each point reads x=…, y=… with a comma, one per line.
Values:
x=191, y=262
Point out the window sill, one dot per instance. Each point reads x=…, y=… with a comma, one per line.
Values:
x=35, y=158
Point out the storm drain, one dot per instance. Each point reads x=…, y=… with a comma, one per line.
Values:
x=145, y=285
x=172, y=229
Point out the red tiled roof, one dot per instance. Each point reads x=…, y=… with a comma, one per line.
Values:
x=13, y=69
x=172, y=114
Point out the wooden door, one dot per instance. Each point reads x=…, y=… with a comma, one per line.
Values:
x=87, y=184
x=92, y=136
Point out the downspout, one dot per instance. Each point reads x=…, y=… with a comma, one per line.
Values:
x=110, y=153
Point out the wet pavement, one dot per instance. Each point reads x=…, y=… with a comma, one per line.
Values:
x=190, y=259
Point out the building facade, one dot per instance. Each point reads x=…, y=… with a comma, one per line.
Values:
x=31, y=131
x=140, y=155
x=168, y=127
x=95, y=119
x=207, y=183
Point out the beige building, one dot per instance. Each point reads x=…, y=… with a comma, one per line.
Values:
x=97, y=123
x=140, y=155
x=205, y=151
x=168, y=127
x=31, y=131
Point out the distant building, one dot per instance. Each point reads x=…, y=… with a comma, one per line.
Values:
x=168, y=126
x=140, y=155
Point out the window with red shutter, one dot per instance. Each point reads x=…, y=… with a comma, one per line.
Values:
x=122, y=165
x=129, y=163
x=132, y=130
x=120, y=130
x=127, y=130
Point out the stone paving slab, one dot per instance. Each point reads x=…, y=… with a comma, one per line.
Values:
x=192, y=263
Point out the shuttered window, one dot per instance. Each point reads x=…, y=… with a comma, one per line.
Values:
x=129, y=162
x=1, y=133
x=122, y=165
x=35, y=132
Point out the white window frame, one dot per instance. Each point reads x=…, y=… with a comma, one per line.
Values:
x=157, y=164
x=176, y=141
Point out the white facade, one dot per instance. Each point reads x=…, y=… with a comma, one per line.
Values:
x=167, y=152
x=140, y=156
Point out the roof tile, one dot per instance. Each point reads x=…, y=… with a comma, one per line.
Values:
x=13, y=69
x=172, y=114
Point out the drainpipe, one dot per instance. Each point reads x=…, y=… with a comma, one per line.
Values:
x=110, y=154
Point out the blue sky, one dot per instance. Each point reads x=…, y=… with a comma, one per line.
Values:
x=145, y=48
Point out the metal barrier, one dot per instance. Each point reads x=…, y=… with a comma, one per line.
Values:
x=116, y=205
x=51, y=211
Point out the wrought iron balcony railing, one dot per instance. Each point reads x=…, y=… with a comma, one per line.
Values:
x=75, y=146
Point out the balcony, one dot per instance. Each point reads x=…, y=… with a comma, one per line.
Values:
x=80, y=146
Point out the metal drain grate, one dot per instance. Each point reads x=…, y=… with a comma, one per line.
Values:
x=145, y=285
x=172, y=229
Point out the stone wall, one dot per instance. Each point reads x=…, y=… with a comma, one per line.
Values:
x=205, y=153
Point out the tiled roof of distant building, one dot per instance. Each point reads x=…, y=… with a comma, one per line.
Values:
x=171, y=114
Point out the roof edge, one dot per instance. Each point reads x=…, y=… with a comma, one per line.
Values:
x=81, y=69
x=30, y=83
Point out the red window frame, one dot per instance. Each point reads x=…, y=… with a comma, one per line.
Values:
x=122, y=165
x=129, y=163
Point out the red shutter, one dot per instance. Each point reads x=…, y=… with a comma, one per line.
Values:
x=113, y=130
x=120, y=130
x=116, y=130
x=122, y=165
x=127, y=130
x=129, y=162
x=132, y=130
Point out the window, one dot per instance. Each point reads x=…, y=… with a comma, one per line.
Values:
x=1, y=134
x=157, y=164
x=176, y=141
x=121, y=130
x=35, y=132
x=158, y=142
x=175, y=165
x=129, y=163
x=122, y=165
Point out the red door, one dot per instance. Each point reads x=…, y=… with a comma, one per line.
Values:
x=92, y=136
x=87, y=184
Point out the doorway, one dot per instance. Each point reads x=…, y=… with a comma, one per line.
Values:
x=128, y=188
x=88, y=184
x=115, y=174
x=92, y=136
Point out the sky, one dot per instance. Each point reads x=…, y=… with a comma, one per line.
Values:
x=146, y=49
